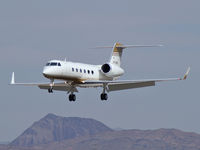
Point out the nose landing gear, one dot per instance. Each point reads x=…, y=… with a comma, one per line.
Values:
x=50, y=90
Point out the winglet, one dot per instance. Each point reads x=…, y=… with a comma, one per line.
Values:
x=186, y=74
x=13, y=78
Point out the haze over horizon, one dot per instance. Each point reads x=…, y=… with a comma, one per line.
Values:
x=33, y=32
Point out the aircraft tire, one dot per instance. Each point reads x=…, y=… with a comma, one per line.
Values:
x=104, y=96
x=50, y=90
x=72, y=97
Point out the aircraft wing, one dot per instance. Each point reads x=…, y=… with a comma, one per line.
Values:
x=122, y=84
x=109, y=85
x=128, y=84
x=63, y=86
x=58, y=87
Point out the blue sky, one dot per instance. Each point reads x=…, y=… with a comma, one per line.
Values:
x=33, y=32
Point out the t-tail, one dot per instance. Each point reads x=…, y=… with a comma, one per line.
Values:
x=116, y=54
x=118, y=50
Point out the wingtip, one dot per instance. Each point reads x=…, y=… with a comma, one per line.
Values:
x=186, y=74
x=13, y=78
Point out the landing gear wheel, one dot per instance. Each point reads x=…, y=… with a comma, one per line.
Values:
x=50, y=90
x=72, y=97
x=104, y=96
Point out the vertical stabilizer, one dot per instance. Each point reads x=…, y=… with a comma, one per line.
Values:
x=116, y=54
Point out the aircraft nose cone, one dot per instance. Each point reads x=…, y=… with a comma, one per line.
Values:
x=46, y=72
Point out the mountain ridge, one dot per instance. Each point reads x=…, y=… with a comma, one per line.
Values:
x=74, y=133
x=56, y=128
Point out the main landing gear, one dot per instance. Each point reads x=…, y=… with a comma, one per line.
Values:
x=104, y=96
x=72, y=97
x=50, y=90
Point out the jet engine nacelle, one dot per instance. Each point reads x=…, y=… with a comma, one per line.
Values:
x=111, y=70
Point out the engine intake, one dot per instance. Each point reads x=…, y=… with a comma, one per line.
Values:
x=111, y=70
x=105, y=68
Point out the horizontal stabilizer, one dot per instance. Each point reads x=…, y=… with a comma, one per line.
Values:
x=129, y=46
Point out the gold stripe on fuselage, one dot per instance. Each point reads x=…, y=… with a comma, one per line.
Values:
x=76, y=80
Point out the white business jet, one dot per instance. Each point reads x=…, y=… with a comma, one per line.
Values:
x=74, y=75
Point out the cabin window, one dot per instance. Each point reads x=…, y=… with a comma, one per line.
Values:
x=73, y=69
x=59, y=64
x=76, y=70
x=80, y=70
x=84, y=71
x=92, y=72
x=88, y=71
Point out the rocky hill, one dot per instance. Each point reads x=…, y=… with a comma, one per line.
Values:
x=54, y=128
x=165, y=139
x=54, y=132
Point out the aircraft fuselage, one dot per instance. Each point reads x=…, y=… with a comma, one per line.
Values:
x=78, y=72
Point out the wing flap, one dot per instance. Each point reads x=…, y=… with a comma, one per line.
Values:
x=58, y=87
x=125, y=86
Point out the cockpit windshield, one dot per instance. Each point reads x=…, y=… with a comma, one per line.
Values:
x=53, y=64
